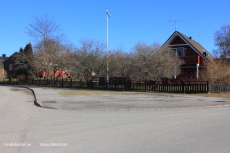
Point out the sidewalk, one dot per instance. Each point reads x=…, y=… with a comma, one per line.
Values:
x=50, y=98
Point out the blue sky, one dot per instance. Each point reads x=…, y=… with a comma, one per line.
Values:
x=131, y=21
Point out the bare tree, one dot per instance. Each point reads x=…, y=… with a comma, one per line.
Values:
x=222, y=41
x=219, y=71
x=153, y=62
x=145, y=63
x=87, y=59
x=51, y=54
x=42, y=28
x=120, y=64
x=115, y=63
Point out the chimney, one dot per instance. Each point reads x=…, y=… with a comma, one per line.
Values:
x=205, y=53
x=3, y=55
x=190, y=37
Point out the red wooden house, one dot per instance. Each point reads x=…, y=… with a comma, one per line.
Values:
x=10, y=68
x=196, y=58
x=9, y=65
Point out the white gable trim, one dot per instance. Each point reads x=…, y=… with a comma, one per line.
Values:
x=193, y=48
x=174, y=35
x=179, y=45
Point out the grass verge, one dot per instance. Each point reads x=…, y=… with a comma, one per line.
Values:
x=90, y=92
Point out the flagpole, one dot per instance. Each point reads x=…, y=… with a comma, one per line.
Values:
x=107, y=45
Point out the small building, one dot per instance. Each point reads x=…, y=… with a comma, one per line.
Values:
x=9, y=65
x=196, y=58
x=3, y=58
x=10, y=68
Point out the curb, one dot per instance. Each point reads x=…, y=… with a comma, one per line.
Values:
x=35, y=99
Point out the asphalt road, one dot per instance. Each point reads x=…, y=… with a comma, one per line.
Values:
x=25, y=127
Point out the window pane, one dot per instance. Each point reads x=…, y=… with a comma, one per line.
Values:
x=10, y=67
x=180, y=52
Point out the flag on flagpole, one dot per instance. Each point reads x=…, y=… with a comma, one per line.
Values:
x=108, y=12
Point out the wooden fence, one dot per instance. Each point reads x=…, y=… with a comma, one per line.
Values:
x=158, y=86
x=12, y=81
x=219, y=86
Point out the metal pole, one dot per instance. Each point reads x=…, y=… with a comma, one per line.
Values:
x=197, y=71
x=107, y=45
x=174, y=72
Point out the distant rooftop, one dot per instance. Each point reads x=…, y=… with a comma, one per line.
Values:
x=3, y=58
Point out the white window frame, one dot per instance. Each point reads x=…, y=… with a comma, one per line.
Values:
x=180, y=49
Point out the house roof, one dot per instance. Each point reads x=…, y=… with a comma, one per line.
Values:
x=3, y=58
x=10, y=56
x=200, y=50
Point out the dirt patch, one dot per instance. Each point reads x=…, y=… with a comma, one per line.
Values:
x=94, y=92
x=89, y=92
x=222, y=95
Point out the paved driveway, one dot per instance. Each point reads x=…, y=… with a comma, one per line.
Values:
x=51, y=97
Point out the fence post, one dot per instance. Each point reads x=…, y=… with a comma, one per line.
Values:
x=62, y=82
x=145, y=86
x=71, y=83
x=10, y=80
x=91, y=83
x=208, y=84
x=127, y=85
x=115, y=84
x=154, y=85
x=183, y=86
x=53, y=81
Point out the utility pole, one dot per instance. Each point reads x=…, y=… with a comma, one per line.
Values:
x=175, y=21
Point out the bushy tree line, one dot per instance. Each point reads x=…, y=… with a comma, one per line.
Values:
x=88, y=59
x=144, y=63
